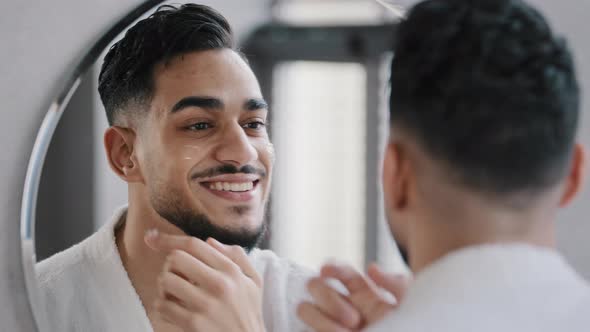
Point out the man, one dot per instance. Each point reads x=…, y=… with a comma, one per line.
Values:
x=187, y=133
x=484, y=110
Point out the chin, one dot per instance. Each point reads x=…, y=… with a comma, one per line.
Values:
x=244, y=223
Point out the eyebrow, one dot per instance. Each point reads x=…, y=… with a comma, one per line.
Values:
x=211, y=103
x=256, y=104
x=201, y=102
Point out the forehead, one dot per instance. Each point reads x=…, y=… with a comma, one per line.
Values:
x=216, y=73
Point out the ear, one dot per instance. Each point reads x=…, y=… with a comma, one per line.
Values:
x=119, y=143
x=395, y=187
x=575, y=178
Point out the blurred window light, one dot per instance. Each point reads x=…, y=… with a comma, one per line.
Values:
x=319, y=192
x=333, y=12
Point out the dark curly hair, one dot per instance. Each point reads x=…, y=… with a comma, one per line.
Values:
x=487, y=89
x=126, y=75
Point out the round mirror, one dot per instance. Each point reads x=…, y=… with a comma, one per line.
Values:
x=292, y=63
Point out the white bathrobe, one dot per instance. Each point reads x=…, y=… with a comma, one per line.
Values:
x=86, y=288
x=510, y=288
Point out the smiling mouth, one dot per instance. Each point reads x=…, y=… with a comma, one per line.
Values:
x=236, y=187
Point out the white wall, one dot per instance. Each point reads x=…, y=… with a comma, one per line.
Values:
x=570, y=18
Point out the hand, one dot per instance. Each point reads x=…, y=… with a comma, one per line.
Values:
x=207, y=286
x=364, y=305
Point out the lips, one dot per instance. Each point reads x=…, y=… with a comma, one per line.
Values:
x=233, y=187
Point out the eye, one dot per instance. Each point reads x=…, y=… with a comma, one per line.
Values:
x=256, y=125
x=199, y=126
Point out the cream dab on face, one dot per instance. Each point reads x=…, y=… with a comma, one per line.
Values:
x=193, y=147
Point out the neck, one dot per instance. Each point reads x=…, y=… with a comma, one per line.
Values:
x=432, y=237
x=143, y=265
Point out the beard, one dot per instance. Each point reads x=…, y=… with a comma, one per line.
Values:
x=199, y=225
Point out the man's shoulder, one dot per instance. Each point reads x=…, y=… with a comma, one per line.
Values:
x=78, y=260
x=504, y=310
x=68, y=265
x=579, y=319
x=59, y=278
x=60, y=264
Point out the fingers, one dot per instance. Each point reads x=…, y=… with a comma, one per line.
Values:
x=175, y=288
x=173, y=312
x=239, y=257
x=315, y=319
x=193, y=270
x=348, y=276
x=396, y=284
x=206, y=286
x=370, y=302
x=333, y=304
x=192, y=245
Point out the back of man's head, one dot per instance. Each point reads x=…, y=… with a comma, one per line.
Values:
x=126, y=80
x=487, y=91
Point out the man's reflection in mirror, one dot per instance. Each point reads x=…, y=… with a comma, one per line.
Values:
x=188, y=135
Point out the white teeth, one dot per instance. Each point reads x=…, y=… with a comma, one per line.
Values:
x=235, y=187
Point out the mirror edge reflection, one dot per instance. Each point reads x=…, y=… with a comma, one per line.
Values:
x=41, y=145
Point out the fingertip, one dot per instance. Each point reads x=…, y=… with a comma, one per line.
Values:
x=340, y=272
x=326, y=268
x=300, y=306
x=353, y=320
x=300, y=310
x=329, y=270
x=216, y=244
x=312, y=283
x=151, y=237
x=374, y=271
x=152, y=233
x=374, y=266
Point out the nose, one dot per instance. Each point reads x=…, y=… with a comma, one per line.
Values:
x=235, y=147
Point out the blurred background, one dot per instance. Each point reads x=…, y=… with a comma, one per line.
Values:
x=323, y=66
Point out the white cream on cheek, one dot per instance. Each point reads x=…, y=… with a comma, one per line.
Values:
x=194, y=148
x=270, y=149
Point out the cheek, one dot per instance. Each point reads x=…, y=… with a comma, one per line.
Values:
x=191, y=153
x=266, y=153
x=175, y=162
x=270, y=150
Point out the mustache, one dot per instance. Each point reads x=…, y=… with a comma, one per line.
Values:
x=229, y=169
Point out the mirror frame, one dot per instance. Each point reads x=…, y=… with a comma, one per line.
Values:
x=41, y=145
